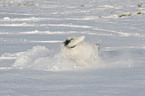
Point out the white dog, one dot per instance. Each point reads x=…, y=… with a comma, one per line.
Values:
x=78, y=51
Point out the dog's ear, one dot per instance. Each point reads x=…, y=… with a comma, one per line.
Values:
x=66, y=42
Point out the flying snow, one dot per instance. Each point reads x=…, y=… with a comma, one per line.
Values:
x=82, y=57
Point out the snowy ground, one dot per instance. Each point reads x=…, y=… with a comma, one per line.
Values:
x=31, y=34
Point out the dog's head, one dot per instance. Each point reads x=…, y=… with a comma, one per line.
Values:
x=68, y=41
x=72, y=42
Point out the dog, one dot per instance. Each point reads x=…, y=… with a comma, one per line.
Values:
x=78, y=51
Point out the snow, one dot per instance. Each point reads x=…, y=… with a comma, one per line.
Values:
x=31, y=36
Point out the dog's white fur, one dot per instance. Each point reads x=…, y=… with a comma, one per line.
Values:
x=82, y=54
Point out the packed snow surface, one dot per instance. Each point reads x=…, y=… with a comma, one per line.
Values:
x=33, y=61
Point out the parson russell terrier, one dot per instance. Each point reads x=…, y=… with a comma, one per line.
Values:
x=80, y=52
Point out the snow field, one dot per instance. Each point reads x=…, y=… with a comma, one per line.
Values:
x=31, y=35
